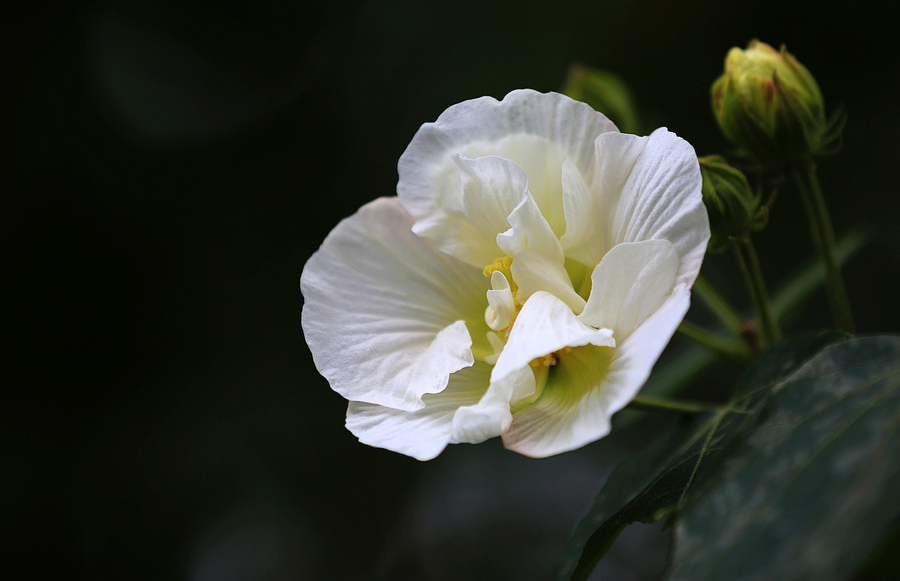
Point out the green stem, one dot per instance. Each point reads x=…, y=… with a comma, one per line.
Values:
x=823, y=236
x=749, y=262
x=679, y=406
x=718, y=305
x=724, y=345
x=790, y=297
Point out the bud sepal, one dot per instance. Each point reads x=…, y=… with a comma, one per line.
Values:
x=734, y=208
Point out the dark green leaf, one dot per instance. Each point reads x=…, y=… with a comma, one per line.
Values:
x=653, y=483
x=811, y=485
x=639, y=489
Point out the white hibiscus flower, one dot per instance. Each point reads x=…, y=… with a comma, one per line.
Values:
x=523, y=283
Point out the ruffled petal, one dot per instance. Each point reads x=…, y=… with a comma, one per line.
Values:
x=530, y=231
x=387, y=316
x=490, y=189
x=661, y=200
x=629, y=284
x=538, y=131
x=545, y=325
x=423, y=433
x=589, y=384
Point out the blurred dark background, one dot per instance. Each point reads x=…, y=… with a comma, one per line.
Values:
x=167, y=169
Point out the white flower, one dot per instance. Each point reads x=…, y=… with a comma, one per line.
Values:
x=523, y=283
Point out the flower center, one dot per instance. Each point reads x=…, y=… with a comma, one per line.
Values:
x=550, y=359
x=541, y=367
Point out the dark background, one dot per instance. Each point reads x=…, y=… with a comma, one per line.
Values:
x=169, y=166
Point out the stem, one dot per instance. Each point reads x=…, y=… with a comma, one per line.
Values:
x=749, y=262
x=724, y=345
x=823, y=236
x=789, y=298
x=679, y=406
x=718, y=305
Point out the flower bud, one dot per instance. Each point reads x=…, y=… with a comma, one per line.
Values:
x=733, y=207
x=768, y=104
x=604, y=92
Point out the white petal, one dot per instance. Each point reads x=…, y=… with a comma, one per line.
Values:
x=501, y=305
x=589, y=209
x=530, y=231
x=491, y=416
x=387, y=316
x=544, y=325
x=537, y=131
x=637, y=353
x=629, y=284
x=535, y=272
x=490, y=188
x=589, y=384
x=424, y=433
x=661, y=200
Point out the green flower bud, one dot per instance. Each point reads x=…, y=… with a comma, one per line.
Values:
x=605, y=92
x=768, y=104
x=734, y=209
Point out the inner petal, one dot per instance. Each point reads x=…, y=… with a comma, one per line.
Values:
x=545, y=325
x=630, y=284
x=475, y=207
x=530, y=231
x=535, y=272
x=542, y=161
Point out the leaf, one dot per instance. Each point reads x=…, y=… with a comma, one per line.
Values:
x=640, y=489
x=653, y=483
x=811, y=485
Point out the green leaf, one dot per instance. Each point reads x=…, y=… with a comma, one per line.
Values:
x=811, y=485
x=654, y=483
x=642, y=488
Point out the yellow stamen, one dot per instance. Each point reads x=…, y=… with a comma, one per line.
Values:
x=550, y=359
x=503, y=265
